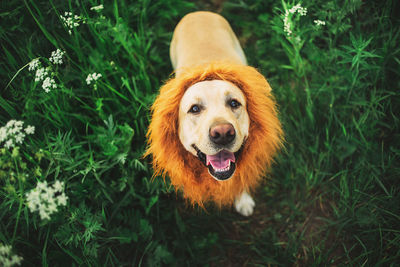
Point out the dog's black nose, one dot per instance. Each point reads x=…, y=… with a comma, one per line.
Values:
x=222, y=134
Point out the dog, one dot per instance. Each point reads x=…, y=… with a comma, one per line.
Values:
x=214, y=128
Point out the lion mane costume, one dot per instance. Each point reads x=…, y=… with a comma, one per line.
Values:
x=185, y=171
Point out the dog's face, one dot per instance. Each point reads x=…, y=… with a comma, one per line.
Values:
x=214, y=124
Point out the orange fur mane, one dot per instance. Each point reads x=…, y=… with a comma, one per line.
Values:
x=186, y=172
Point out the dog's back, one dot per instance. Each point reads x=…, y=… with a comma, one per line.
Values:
x=203, y=37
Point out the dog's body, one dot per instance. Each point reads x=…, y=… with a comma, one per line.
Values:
x=214, y=127
x=202, y=38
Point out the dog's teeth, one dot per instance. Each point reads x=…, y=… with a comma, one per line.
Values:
x=223, y=170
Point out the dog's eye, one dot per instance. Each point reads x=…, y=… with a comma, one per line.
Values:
x=234, y=103
x=195, y=109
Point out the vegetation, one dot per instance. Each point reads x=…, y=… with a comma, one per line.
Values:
x=75, y=190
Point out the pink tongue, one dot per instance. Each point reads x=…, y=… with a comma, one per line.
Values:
x=221, y=160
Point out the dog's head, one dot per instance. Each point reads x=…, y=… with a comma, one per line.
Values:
x=222, y=114
x=214, y=124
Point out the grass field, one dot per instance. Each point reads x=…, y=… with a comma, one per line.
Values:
x=75, y=190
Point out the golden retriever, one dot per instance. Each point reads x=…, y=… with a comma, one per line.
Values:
x=214, y=127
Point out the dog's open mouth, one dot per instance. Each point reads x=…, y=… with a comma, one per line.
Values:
x=221, y=166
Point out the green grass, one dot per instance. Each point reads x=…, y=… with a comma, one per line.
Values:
x=333, y=195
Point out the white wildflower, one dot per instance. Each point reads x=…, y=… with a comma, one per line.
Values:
x=32, y=203
x=7, y=258
x=287, y=23
x=34, y=64
x=19, y=138
x=49, y=83
x=58, y=186
x=62, y=199
x=56, y=57
x=93, y=77
x=42, y=186
x=18, y=124
x=294, y=9
x=298, y=8
x=41, y=74
x=46, y=199
x=10, y=123
x=30, y=129
x=97, y=8
x=13, y=133
x=5, y=249
x=71, y=21
x=52, y=206
x=319, y=22
x=44, y=214
x=3, y=134
x=9, y=144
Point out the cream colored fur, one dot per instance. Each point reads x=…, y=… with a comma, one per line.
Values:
x=212, y=96
x=200, y=38
x=203, y=37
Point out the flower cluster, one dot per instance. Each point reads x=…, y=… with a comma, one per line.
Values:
x=56, y=56
x=40, y=74
x=287, y=24
x=97, y=8
x=46, y=199
x=49, y=83
x=298, y=8
x=44, y=74
x=7, y=259
x=319, y=22
x=14, y=133
x=34, y=64
x=92, y=77
x=71, y=21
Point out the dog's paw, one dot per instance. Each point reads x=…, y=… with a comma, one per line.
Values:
x=245, y=204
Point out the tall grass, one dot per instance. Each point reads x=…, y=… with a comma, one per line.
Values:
x=332, y=197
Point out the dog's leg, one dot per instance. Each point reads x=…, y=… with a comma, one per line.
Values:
x=244, y=204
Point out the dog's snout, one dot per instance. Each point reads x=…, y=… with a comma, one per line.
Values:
x=222, y=134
